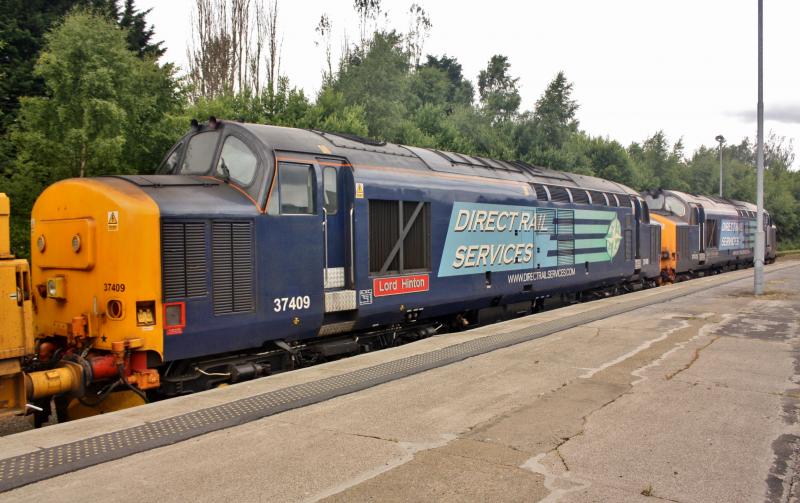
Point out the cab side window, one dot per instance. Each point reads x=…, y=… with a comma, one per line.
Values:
x=237, y=162
x=170, y=164
x=330, y=193
x=295, y=194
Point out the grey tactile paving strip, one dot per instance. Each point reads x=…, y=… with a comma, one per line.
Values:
x=52, y=461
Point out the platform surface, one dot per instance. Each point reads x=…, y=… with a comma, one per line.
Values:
x=693, y=399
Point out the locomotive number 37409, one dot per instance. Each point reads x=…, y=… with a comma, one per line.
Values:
x=291, y=303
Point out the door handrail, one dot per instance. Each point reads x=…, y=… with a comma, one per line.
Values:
x=325, y=238
x=352, y=250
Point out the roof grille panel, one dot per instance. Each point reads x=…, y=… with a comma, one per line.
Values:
x=541, y=193
x=580, y=196
x=559, y=194
x=597, y=198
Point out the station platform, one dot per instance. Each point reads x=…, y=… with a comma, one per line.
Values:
x=688, y=392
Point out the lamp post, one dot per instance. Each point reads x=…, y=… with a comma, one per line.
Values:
x=721, y=140
x=758, y=260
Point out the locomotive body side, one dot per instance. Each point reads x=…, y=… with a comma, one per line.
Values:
x=490, y=244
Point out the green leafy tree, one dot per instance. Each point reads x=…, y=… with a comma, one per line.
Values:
x=139, y=33
x=498, y=91
x=378, y=80
x=103, y=111
x=660, y=164
x=332, y=113
x=555, y=111
x=23, y=25
x=460, y=91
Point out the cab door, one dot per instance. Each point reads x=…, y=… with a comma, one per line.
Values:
x=337, y=210
x=292, y=258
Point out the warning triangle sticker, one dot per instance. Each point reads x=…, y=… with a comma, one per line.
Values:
x=112, y=223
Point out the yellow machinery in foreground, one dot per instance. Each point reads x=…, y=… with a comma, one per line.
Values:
x=29, y=375
x=16, y=320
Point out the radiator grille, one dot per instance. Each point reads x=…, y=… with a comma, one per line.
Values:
x=565, y=227
x=384, y=228
x=233, y=272
x=655, y=245
x=416, y=248
x=385, y=232
x=683, y=242
x=183, y=260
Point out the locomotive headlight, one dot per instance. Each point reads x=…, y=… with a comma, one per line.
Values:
x=40, y=243
x=56, y=288
x=76, y=243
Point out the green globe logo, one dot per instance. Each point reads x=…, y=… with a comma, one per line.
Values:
x=613, y=237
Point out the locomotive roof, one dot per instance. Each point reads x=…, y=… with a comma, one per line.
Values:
x=365, y=152
x=713, y=203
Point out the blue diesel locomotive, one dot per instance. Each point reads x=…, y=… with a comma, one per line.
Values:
x=285, y=246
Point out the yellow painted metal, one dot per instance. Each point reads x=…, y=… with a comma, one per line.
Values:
x=116, y=256
x=16, y=335
x=117, y=400
x=16, y=311
x=45, y=383
x=5, y=238
x=12, y=387
x=61, y=234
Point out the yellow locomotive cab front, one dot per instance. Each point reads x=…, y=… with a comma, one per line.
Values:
x=96, y=284
x=95, y=264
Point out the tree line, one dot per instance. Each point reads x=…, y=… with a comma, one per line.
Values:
x=82, y=93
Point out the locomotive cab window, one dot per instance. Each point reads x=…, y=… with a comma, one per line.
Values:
x=170, y=164
x=295, y=194
x=675, y=206
x=199, y=153
x=237, y=162
x=330, y=190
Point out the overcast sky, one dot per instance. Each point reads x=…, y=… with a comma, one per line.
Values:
x=687, y=67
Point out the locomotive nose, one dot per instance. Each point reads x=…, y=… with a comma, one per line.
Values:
x=95, y=263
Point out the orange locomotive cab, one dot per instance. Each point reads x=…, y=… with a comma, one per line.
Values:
x=96, y=279
x=668, y=246
x=95, y=264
